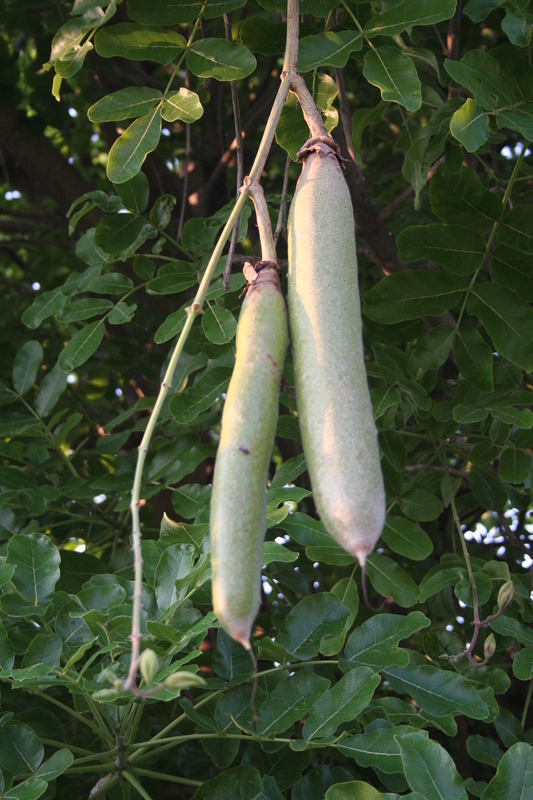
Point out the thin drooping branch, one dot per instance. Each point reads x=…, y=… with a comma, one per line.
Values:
x=282, y=216
x=268, y=248
x=192, y=312
x=185, y=191
x=346, y=119
x=240, y=163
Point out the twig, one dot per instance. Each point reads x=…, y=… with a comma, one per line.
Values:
x=193, y=311
x=418, y=467
x=240, y=163
x=268, y=248
x=346, y=119
x=185, y=180
x=310, y=111
x=282, y=216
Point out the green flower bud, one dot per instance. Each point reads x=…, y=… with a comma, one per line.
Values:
x=106, y=695
x=148, y=664
x=489, y=647
x=505, y=595
x=183, y=680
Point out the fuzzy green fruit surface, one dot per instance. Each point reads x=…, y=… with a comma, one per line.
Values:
x=249, y=419
x=334, y=408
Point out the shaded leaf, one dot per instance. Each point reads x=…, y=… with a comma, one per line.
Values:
x=127, y=154
x=412, y=294
x=220, y=59
x=395, y=75
x=290, y=701
x=438, y=692
x=81, y=347
x=138, y=43
x=429, y=769
x=25, y=367
x=342, y=703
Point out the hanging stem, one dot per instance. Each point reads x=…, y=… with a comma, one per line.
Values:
x=194, y=310
x=240, y=163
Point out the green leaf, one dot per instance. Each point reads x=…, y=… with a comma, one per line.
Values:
x=512, y=416
x=484, y=749
x=29, y=790
x=512, y=268
x=117, y=233
x=164, y=12
x=487, y=488
x=407, y=13
x=21, y=751
x=395, y=76
x=161, y=212
x=378, y=748
x=241, y=783
x=483, y=76
x=523, y=664
x=139, y=43
x=342, y=703
x=406, y=538
x=7, y=652
x=508, y=321
x=219, y=324
x=455, y=198
x=124, y=104
x=515, y=465
x=171, y=326
x=27, y=362
x=455, y=247
x=44, y=649
x=432, y=350
x=429, y=769
x=391, y=580
x=514, y=777
x=290, y=701
x=473, y=356
x=470, y=126
x=312, y=618
x=477, y=10
x=518, y=28
x=36, y=561
x=412, y=294
x=134, y=193
x=374, y=644
x=83, y=309
x=393, y=448
x=81, y=347
x=220, y=59
x=520, y=120
x=383, y=398
x=55, y=766
x=437, y=691
x=516, y=230
x=44, y=306
x=175, y=282
x=123, y=312
x=353, y=790
x=175, y=562
x=111, y=283
x=186, y=406
x=184, y=105
x=421, y=505
x=328, y=49
x=127, y=154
